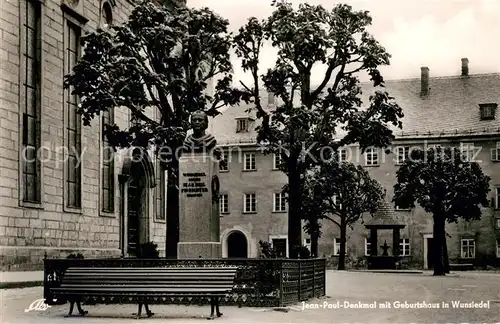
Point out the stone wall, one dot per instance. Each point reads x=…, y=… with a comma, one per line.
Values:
x=27, y=232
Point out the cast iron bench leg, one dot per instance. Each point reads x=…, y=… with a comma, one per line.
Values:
x=78, y=306
x=214, y=304
x=139, y=311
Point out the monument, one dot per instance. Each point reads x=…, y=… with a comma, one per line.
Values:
x=199, y=219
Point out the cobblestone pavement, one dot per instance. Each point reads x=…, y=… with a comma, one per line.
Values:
x=343, y=287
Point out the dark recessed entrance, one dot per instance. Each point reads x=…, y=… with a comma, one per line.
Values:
x=237, y=245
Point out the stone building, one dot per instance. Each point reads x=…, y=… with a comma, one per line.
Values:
x=458, y=110
x=73, y=197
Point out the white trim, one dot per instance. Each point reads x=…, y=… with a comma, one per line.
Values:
x=426, y=248
x=473, y=245
x=367, y=242
x=336, y=251
x=374, y=152
x=248, y=155
x=245, y=210
x=279, y=236
x=21, y=97
x=404, y=247
x=282, y=197
x=221, y=203
x=225, y=235
x=497, y=197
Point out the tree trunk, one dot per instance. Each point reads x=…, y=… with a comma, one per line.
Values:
x=343, y=232
x=314, y=241
x=294, y=206
x=445, y=257
x=438, y=253
x=172, y=211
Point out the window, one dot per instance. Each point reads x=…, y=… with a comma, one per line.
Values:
x=336, y=246
x=371, y=156
x=495, y=153
x=497, y=223
x=31, y=102
x=468, y=248
x=468, y=151
x=279, y=202
x=497, y=198
x=402, y=154
x=335, y=202
x=498, y=248
x=108, y=165
x=241, y=125
x=223, y=163
x=342, y=155
x=73, y=119
x=224, y=204
x=277, y=160
x=106, y=15
x=404, y=247
x=249, y=203
x=280, y=246
x=160, y=191
x=307, y=243
x=488, y=111
x=249, y=161
x=368, y=246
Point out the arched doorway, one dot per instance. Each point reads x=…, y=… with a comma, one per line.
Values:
x=237, y=245
x=138, y=176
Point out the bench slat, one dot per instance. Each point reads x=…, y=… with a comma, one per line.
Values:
x=145, y=289
x=138, y=282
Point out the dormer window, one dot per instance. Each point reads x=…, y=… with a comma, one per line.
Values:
x=488, y=111
x=242, y=124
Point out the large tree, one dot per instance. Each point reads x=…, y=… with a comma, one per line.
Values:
x=445, y=184
x=163, y=59
x=307, y=117
x=344, y=192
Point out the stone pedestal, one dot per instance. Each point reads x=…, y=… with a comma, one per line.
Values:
x=199, y=219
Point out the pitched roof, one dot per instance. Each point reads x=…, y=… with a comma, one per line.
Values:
x=385, y=217
x=450, y=108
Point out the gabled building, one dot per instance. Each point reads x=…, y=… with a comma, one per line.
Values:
x=457, y=110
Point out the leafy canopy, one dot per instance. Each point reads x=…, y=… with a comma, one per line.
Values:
x=162, y=58
x=308, y=115
x=341, y=192
x=443, y=183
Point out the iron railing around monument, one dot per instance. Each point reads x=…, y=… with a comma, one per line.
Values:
x=258, y=282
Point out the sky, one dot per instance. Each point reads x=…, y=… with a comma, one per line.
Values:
x=432, y=33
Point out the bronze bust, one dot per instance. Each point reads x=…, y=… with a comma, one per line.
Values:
x=199, y=141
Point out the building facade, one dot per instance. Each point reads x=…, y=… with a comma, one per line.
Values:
x=458, y=110
x=63, y=189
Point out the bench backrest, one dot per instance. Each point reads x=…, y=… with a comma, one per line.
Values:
x=188, y=277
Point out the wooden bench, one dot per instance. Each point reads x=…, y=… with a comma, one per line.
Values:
x=122, y=285
x=461, y=266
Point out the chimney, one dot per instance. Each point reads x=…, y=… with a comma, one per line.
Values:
x=424, y=81
x=465, y=66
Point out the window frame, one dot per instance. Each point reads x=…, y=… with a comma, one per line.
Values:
x=282, y=202
x=372, y=152
x=246, y=210
x=104, y=144
x=498, y=247
x=404, y=247
x=223, y=201
x=468, y=245
x=495, y=153
x=69, y=22
x=25, y=190
x=368, y=245
x=277, y=159
x=468, y=150
x=405, y=155
x=336, y=242
x=252, y=162
x=223, y=157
